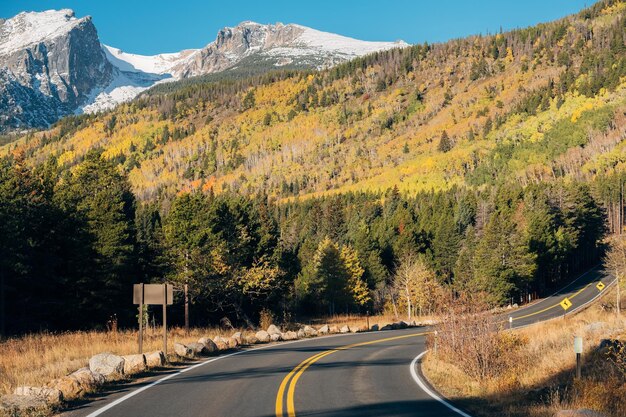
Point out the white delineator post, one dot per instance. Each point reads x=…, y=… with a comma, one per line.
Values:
x=578, y=349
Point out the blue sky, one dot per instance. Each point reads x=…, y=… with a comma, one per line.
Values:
x=149, y=27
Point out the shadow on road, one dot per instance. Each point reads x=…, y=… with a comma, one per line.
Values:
x=423, y=408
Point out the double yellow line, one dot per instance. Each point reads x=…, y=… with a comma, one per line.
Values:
x=287, y=387
x=288, y=383
x=552, y=306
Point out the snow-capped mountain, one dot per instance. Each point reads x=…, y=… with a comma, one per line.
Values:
x=53, y=64
x=50, y=62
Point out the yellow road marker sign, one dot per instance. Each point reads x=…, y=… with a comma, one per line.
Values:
x=566, y=304
x=600, y=286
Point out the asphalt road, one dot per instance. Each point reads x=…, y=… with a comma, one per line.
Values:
x=580, y=292
x=364, y=374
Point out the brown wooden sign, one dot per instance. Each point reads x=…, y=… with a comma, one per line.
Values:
x=153, y=294
x=159, y=294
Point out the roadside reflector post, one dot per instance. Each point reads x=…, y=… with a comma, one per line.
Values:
x=367, y=317
x=510, y=322
x=578, y=349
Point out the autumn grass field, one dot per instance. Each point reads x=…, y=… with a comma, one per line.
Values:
x=539, y=377
x=38, y=358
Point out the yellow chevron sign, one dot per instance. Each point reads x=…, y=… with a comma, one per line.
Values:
x=600, y=286
x=566, y=304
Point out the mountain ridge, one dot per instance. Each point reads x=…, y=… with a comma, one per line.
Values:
x=535, y=104
x=119, y=76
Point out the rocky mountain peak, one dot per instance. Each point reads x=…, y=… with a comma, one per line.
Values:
x=49, y=63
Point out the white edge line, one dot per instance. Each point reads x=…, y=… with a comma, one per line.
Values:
x=165, y=378
x=413, y=372
x=427, y=390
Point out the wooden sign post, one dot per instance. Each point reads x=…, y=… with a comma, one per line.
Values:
x=155, y=294
x=165, y=319
x=141, y=320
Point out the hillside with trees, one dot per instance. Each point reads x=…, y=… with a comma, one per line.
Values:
x=487, y=164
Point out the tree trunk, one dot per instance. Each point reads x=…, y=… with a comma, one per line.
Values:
x=408, y=301
x=619, y=298
x=393, y=304
x=2, y=307
x=244, y=316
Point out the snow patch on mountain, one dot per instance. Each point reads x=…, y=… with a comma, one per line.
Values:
x=29, y=28
x=125, y=86
x=152, y=64
x=333, y=43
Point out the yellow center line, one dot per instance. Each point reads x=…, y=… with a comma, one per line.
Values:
x=292, y=377
x=552, y=306
x=283, y=384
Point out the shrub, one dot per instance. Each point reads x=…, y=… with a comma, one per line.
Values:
x=468, y=338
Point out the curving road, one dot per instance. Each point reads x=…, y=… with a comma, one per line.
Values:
x=364, y=374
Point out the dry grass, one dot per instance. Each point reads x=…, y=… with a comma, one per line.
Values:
x=541, y=379
x=37, y=359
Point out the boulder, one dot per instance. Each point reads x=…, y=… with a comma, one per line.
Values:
x=199, y=349
x=375, y=327
x=310, y=331
x=387, y=327
x=237, y=336
x=209, y=344
x=19, y=405
x=134, y=364
x=345, y=329
x=324, y=329
x=251, y=340
x=70, y=388
x=232, y=343
x=301, y=334
x=221, y=343
x=583, y=412
x=403, y=325
x=183, y=351
x=362, y=329
x=155, y=359
x=50, y=395
x=275, y=337
x=289, y=336
x=273, y=330
x=262, y=336
x=107, y=364
x=333, y=329
x=87, y=379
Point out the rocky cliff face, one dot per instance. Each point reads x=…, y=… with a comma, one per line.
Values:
x=234, y=44
x=49, y=64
